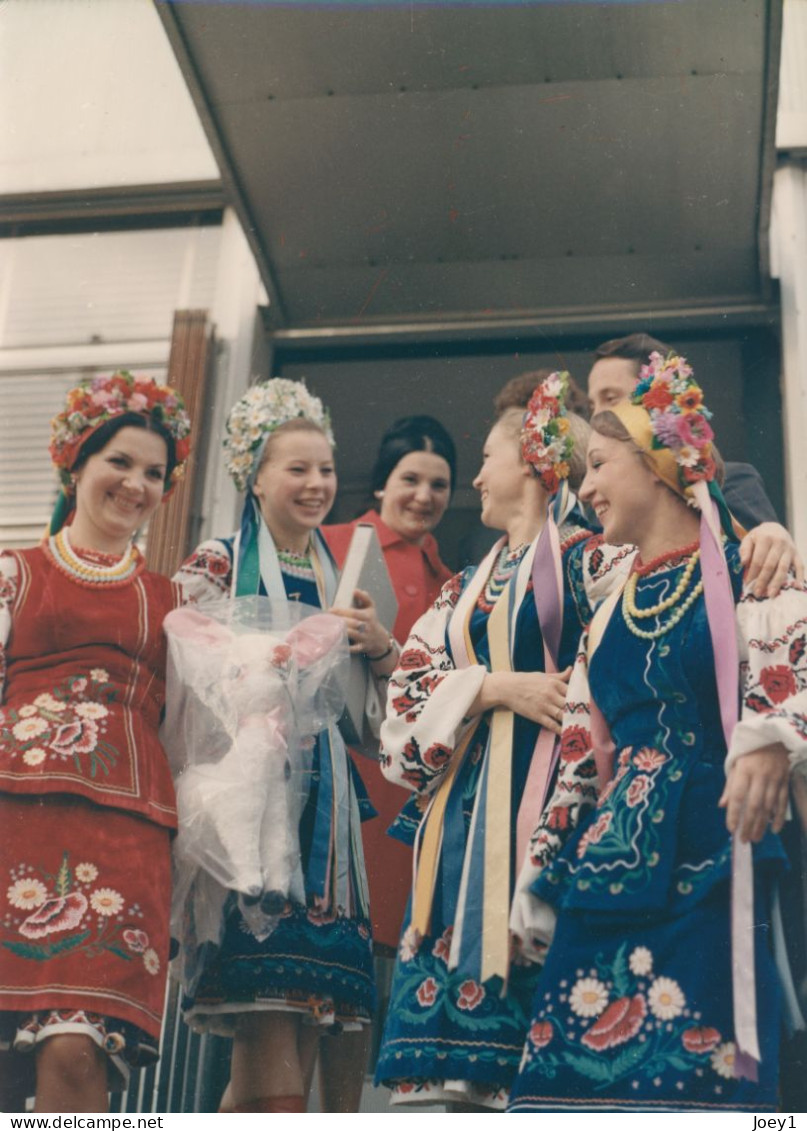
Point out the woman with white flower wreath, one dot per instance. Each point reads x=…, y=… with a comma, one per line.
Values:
x=314, y=972
x=85, y=791
x=652, y=870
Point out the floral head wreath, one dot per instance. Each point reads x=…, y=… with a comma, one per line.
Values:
x=96, y=400
x=546, y=440
x=262, y=409
x=668, y=420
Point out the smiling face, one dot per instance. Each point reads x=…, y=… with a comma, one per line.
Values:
x=118, y=489
x=611, y=380
x=503, y=475
x=621, y=489
x=416, y=495
x=295, y=486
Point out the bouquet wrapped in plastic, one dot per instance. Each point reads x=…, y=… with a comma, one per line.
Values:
x=249, y=684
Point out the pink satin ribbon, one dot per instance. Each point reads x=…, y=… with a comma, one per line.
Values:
x=547, y=588
x=720, y=610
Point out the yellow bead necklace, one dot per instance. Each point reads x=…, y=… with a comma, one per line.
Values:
x=631, y=613
x=109, y=570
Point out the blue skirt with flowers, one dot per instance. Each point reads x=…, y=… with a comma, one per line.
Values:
x=637, y=1016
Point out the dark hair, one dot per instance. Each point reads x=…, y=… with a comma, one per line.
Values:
x=518, y=390
x=412, y=434
x=99, y=439
x=634, y=347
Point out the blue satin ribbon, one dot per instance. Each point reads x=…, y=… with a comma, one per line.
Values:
x=248, y=574
x=469, y=958
x=316, y=873
x=453, y=849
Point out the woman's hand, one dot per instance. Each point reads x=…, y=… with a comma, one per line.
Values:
x=366, y=633
x=535, y=695
x=756, y=793
x=768, y=553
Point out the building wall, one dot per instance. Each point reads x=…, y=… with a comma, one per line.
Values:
x=92, y=95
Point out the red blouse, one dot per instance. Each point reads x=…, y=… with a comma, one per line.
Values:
x=416, y=572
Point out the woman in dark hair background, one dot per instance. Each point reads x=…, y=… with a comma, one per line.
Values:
x=411, y=481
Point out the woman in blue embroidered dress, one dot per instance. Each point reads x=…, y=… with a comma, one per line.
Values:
x=450, y=1034
x=631, y=881
x=315, y=971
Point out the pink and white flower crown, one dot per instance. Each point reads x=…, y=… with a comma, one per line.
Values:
x=546, y=439
x=673, y=399
x=96, y=400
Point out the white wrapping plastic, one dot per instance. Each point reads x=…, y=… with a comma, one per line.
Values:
x=249, y=683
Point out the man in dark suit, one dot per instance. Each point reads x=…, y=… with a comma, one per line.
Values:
x=612, y=379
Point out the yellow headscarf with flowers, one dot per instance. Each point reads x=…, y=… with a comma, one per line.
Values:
x=668, y=421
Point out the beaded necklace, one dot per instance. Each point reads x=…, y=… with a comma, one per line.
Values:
x=92, y=568
x=630, y=611
x=297, y=565
x=506, y=565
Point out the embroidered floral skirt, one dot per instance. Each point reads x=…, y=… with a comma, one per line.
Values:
x=636, y=1015
x=443, y=1026
x=318, y=965
x=83, y=920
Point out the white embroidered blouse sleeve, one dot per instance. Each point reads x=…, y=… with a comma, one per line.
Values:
x=772, y=645
x=8, y=592
x=206, y=575
x=427, y=700
x=605, y=568
x=532, y=921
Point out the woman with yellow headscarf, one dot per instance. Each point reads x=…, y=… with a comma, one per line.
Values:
x=652, y=871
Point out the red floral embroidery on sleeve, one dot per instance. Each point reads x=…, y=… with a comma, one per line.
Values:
x=778, y=682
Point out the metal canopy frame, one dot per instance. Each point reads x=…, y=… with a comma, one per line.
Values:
x=631, y=184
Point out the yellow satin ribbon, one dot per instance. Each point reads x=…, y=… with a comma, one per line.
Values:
x=432, y=839
x=498, y=822
x=496, y=892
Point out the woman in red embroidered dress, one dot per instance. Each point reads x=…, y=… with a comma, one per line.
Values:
x=86, y=796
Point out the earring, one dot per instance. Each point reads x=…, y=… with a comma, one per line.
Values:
x=378, y=494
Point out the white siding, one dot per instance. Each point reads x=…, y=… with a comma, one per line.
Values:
x=105, y=287
x=791, y=118
x=789, y=265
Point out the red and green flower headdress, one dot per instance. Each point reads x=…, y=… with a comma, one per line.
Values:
x=546, y=439
x=96, y=400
